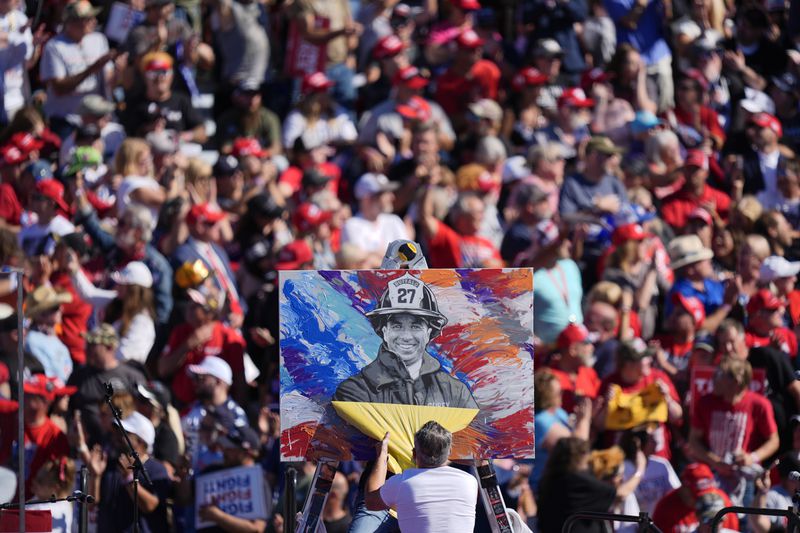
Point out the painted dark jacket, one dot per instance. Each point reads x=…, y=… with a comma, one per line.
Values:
x=386, y=380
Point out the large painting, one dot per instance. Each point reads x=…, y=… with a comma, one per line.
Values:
x=367, y=351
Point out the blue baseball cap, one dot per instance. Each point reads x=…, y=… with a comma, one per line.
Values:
x=643, y=121
x=40, y=170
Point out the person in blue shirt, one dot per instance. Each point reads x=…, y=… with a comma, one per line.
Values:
x=694, y=276
x=640, y=23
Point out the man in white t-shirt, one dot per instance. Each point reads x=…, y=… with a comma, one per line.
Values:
x=433, y=497
x=374, y=226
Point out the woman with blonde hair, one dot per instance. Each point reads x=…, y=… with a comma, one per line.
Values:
x=133, y=164
x=129, y=307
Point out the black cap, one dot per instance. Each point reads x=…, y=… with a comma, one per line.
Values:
x=263, y=205
x=789, y=463
x=244, y=438
x=315, y=178
x=634, y=350
x=226, y=165
x=76, y=241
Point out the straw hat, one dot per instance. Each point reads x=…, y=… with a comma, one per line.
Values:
x=44, y=299
x=686, y=250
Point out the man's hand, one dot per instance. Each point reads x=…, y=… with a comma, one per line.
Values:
x=200, y=336
x=383, y=447
x=607, y=204
x=210, y=512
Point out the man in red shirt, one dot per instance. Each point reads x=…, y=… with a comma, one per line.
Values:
x=733, y=427
x=469, y=79
x=678, y=510
x=694, y=193
x=16, y=186
x=634, y=373
x=765, y=324
x=459, y=246
x=44, y=440
x=202, y=334
x=570, y=364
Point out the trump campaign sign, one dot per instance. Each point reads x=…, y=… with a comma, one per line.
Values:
x=236, y=491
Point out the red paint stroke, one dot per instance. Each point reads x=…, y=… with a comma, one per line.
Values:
x=474, y=345
x=504, y=284
x=296, y=439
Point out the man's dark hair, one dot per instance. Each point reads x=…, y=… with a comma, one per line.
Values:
x=432, y=445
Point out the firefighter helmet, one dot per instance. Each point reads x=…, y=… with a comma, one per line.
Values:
x=409, y=295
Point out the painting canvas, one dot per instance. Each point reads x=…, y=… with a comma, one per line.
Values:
x=367, y=348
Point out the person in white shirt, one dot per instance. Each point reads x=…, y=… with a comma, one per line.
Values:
x=433, y=497
x=16, y=50
x=129, y=306
x=374, y=226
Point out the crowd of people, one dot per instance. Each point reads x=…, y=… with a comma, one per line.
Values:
x=161, y=161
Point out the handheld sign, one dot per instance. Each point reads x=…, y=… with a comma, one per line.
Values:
x=236, y=491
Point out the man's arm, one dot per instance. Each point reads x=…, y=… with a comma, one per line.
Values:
x=68, y=84
x=377, y=478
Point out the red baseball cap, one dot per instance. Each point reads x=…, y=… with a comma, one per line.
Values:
x=764, y=299
x=415, y=109
x=765, y=120
x=692, y=305
x=316, y=83
x=528, y=77
x=308, y=216
x=204, y=213
x=592, y=76
x=53, y=190
x=26, y=142
x=157, y=61
x=698, y=477
x=696, y=158
x=388, y=46
x=468, y=39
x=244, y=146
x=629, y=232
x=571, y=334
x=48, y=388
x=466, y=5
x=574, y=97
x=294, y=255
x=698, y=213
x=12, y=155
x=409, y=77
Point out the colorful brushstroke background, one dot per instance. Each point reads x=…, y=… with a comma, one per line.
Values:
x=487, y=343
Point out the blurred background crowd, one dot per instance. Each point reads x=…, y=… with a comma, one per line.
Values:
x=161, y=161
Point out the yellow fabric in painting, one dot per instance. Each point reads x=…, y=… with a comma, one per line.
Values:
x=626, y=411
x=402, y=422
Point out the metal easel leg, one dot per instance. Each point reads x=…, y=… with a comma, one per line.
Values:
x=492, y=498
x=317, y=496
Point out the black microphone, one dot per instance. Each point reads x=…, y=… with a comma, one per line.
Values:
x=81, y=497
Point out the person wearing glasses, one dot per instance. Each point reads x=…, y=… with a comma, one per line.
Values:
x=161, y=108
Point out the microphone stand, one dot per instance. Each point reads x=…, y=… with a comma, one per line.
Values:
x=76, y=496
x=138, y=467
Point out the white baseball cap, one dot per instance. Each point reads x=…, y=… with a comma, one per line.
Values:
x=776, y=267
x=370, y=184
x=134, y=273
x=757, y=102
x=139, y=425
x=214, y=366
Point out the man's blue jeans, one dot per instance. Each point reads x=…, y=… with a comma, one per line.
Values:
x=366, y=521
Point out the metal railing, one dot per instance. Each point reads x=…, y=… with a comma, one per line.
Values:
x=645, y=522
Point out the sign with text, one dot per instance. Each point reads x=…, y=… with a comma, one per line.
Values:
x=303, y=57
x=702, y=382
x=121, y=20
x=236, y=491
